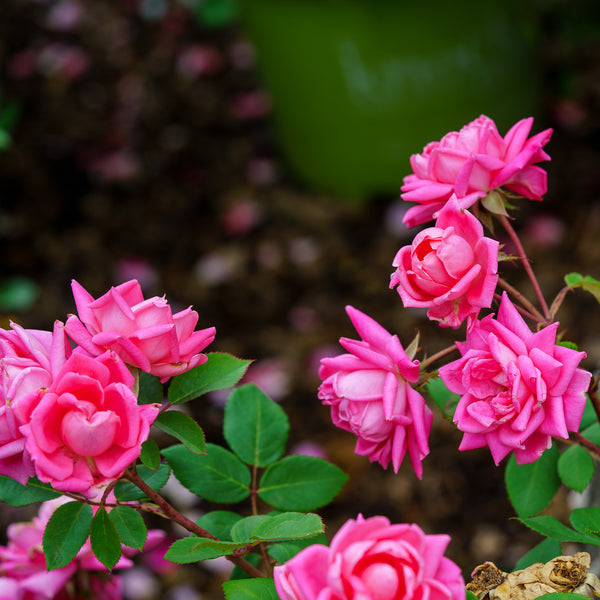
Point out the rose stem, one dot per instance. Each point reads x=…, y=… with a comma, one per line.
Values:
x=532, y=311
x=431, y=359
x=595, y=399
x=174, y=515
x=587, y=444
x=526, y=264
x=524, y=312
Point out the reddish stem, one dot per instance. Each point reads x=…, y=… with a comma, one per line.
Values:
x=174, y=515
x=526, y=265
x=431, y=359
x=529, y=309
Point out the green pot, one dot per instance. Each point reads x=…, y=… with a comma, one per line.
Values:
x=360, y=85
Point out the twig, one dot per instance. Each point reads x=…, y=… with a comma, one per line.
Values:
x=526, y=265
x=174, y=515
x=529, y=309
x=431, y=359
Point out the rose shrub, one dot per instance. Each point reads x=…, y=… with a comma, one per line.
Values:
x=144, y=333
x=370, y=395
x=87, y=427
x=518, y=388
x=450, y=268
x=26, y=369
x=369, y=559
x=472, y=162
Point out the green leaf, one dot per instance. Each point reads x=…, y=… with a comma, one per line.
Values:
x=572, y=279
x=494, y=203
x=532, y=486
x=587, y=283
x=130, y=526
x=255, y=427
x=471, y=595
x=300, y=483
x=184, y=428
x=15, y=494
x=219, y=476
x=242, y=530
x=219, y=523
x=150, y=455
x=586, y=519
x=284, y=551
x=66, y=531
x=105, y=540
x=219, y=372
x=442, y=397
x=576, y=468
x=546, y=550
x=589, y=415
x=592, y=433
x=288, y=526
x=250, y=589
x=126, y=491
x=553, y=528
x=151, y=389
x=564, y=596
x=193, y=549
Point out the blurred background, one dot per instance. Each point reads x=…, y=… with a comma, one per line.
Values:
x=246, y=157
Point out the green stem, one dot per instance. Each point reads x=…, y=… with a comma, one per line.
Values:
x=173, y=514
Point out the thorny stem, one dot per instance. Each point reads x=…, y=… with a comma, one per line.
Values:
x=431, y=359
x=529, y=309
x=174, y=515
x=526, y=265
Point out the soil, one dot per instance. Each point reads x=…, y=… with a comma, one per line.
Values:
x=123, y=165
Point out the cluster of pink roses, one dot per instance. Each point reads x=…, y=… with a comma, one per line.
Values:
x=23, y=572
x=518, y=388
x=70, y=416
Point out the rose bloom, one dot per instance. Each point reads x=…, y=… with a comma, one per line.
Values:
x=471, y=163
x=26, y=370
x=144, y=333
x=370, y=395
x=23, y=565
x=88, y=427
x=518, y=388
x=450, y=268
x=373, y=560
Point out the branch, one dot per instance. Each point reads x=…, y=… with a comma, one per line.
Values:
x=173, y=514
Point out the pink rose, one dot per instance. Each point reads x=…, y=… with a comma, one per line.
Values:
x=370, y=395
x=26, y=369
x=144, y=333
x=87, y=428
x=373, y=560
x=471, y=163
x=23, y=565
x=518, y=388
x=450, y=268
